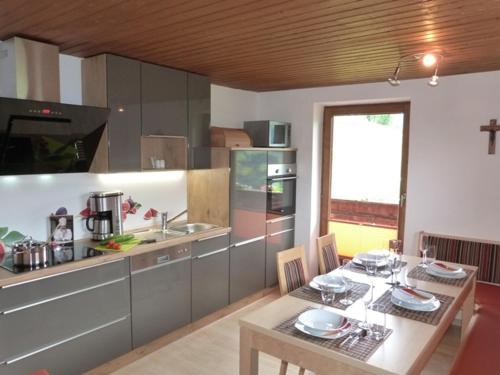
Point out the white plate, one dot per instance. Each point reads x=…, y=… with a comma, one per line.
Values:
x=363, y=258
x=460, y=275
x=434, y=266
x=322, y=320
x=402, y=295
x=323, y=334
x=427, y=307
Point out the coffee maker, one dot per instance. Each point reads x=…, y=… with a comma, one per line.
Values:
x=106, y=218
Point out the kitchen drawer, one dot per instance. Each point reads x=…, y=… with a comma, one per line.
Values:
x=280, y=224
x=16, y=295
x=37, y=325
x=209, y=244
x=78, y=354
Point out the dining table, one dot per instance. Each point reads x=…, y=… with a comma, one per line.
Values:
x=406, y=350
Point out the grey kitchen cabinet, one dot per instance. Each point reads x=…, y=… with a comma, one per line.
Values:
x=124, y=122
x=210, y=276
x=164, y=101
x=161, y=293
x=66, y=310
x=248, y=195
x=247, y=268
x=280, y=236
x=198, y=90
x=115, y=82
x=78, y=354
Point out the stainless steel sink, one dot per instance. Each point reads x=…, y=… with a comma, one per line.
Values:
x=191, y=227
x=158, y=235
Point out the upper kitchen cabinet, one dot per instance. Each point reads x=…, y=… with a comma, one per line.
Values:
x=164, y=101
x=198, y=90
x=115, y=82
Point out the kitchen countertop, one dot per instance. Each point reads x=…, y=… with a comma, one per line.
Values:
x=7, y=277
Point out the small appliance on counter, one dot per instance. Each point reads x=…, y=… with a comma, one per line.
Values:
x=106, y=218
x=269, y=133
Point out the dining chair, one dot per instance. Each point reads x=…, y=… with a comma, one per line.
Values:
x=292, y=274
x=292, y=269
x=328, y=257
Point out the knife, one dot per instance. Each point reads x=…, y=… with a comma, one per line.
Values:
x=144, y=242
x=356, y=332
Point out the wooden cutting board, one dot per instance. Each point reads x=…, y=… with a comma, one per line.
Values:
x=126, y=246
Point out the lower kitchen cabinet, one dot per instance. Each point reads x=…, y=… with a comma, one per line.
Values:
x=276, y=242
x=161, y=293
x=80, y=320
x=210, y=276
x=247, y=268
x=78, y=354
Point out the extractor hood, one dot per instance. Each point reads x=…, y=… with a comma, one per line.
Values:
x=39, y=135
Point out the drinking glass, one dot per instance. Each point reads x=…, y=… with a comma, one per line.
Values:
x=384, y=255
x=395, y=266
x=371, y=266
x=410, y=282
x=346, y=267
x=431, y=253
x=327, y=293
x=379, y=321
x=367, y=300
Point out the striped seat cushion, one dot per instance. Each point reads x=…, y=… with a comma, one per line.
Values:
x=485, y=256
x=330, y=257
x=294, y=274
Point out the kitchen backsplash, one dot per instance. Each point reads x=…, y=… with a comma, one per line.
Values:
x=27, y=201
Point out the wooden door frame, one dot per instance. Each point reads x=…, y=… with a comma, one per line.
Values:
x=326, y=154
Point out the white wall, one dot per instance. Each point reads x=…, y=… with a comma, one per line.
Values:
x=453, y=183
x=230, y=107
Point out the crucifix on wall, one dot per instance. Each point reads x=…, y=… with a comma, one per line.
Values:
x=492, y=128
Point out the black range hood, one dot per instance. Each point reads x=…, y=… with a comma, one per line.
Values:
x=45, y=137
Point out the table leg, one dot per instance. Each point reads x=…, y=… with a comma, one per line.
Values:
x=468, y=311
x=249, y=357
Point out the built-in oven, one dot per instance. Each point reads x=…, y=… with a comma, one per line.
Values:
x=281, y=187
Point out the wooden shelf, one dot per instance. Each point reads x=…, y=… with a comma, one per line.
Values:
x=171, y=149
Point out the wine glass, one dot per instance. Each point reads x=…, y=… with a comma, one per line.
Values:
x=424, y=251
x=431, y=253
x=367, y=300
x=346, y=267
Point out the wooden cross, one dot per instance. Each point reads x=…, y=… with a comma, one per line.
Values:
x=493, y=128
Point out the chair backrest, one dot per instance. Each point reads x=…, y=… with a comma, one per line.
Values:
x=328, y=257
x=292, y=269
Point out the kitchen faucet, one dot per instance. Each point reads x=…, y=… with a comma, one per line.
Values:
x=165, y=221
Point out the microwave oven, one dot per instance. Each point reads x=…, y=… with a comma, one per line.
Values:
x=269, y=133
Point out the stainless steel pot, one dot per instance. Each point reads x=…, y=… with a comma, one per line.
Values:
x=30, y=253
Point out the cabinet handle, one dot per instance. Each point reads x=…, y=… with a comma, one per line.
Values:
x=45, y=348
x=281, y=232
x=60, y=273
x=211, y=237
x=211, y=253
x=272, y=221
x=249, y=241
x=61, y=296
x=282, y=178
x=164, y=264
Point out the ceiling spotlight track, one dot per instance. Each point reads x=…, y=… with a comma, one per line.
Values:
x=428, y=59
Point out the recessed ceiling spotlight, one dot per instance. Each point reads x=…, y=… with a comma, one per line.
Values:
x=429, y=59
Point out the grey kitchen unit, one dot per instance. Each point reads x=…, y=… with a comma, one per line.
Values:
x=280, y=236
x=161, y=292
x=164, y=101
x=248, y=222
x=210, y=275
x=67, y=323
x=198, y=90
x=115, y=82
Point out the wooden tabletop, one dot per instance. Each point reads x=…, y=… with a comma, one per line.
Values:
x=7, y=277
x=406, y=350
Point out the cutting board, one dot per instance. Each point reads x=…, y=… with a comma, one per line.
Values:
x=126, y=246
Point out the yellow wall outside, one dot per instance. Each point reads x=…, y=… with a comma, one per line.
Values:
x=354, y=238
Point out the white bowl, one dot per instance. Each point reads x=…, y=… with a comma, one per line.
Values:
x=405, y=295
x=364, y=258
x=459, y=275
x=439, y=267
x=322, y=320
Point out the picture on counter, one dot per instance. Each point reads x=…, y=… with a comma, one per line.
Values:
x=61, y=227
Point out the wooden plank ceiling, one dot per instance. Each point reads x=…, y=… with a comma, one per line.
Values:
x=270, y=44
